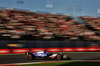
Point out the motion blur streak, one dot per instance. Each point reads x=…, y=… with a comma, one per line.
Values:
x=23, y=50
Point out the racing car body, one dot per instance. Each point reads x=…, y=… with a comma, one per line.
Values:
x=45, y=55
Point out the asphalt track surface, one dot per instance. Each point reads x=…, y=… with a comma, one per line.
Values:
x=20, y=58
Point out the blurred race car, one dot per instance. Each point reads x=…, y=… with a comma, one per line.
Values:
x=45, y=55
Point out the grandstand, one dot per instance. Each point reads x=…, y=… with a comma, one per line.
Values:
x=26, y=25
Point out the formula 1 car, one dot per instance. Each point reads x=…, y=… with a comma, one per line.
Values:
x=45, y=55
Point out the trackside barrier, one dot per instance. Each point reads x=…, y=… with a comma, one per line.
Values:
x=4, y=51
x=37, y=49
x=81, y=49
x=23, y=50
x=94, y=49
x=20, y=50
x=67, y=49
x=53, y=49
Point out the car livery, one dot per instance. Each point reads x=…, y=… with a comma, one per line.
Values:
x=42, y=54
x=45, y=55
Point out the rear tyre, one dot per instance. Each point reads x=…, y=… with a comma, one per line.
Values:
x=29, y=57
x=58, y=57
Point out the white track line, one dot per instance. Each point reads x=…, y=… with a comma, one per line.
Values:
x=46, y=62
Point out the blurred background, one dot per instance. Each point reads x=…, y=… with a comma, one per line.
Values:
x=71, y=27
x=49, y=24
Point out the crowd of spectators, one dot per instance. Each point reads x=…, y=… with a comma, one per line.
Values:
x=92, y=21
x=25, y=25
x=94, y=24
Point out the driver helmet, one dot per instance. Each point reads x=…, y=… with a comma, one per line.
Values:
x=44, y=51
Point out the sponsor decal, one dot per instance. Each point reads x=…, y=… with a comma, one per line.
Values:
x=14, y=45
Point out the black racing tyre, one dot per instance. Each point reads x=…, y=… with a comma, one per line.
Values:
x=58, y=57
x=29, y=57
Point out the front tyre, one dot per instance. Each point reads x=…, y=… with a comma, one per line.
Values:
x=29, y=57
